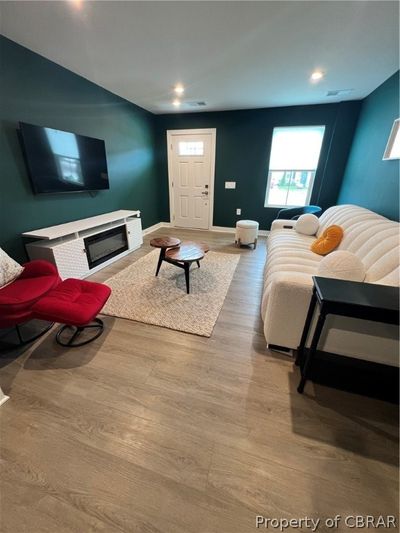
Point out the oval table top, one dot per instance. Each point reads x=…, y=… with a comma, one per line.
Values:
x=188, y=251
x=165, y=242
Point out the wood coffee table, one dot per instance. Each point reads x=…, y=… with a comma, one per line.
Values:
x=183, y=256
x=186, y=254
x=163, y=243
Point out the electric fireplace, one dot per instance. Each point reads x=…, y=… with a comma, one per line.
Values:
x=105, y=245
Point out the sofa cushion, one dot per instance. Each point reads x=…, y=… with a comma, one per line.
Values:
x=372, y=237
x=290, y=251
x=328, y=241
x=307, y=224
x=342, y=265
x=347, y=216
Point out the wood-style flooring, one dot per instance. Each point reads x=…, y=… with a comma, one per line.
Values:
x=153, y=430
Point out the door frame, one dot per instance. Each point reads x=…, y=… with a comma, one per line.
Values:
x=206, y=131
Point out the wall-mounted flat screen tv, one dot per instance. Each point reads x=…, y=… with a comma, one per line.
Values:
x=60, y=161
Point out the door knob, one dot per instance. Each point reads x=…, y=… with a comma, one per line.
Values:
x=205, y=193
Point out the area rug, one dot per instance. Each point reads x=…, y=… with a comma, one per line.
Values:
x=138, y=295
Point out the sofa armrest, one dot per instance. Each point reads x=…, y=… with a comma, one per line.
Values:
x=38, y=267
x=286, y=305
x=283, y=224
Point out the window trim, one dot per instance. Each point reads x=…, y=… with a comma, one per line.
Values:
x=311, y=187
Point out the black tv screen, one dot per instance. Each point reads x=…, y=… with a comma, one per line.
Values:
x=59, y=161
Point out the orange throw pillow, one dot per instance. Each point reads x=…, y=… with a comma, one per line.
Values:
x=329, y=240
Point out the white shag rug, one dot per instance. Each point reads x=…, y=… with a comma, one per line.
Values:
x=138, y=295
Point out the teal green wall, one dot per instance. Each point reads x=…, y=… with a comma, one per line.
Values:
x=41, y=92
x=369, y=181
x=242, y=155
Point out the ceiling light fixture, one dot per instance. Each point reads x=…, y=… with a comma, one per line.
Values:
x=179, y=89
x=176, y=103
x=77, y=3
x=317, y=75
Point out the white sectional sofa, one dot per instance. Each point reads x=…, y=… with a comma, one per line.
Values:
x=288, y=283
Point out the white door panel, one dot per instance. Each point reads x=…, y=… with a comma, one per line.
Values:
x=183, y=173
x=191, y=177
x=184, y=206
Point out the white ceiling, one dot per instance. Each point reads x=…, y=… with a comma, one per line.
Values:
x=232, y=55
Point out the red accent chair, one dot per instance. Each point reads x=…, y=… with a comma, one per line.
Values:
x=17, y=298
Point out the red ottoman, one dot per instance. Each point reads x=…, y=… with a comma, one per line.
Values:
x=74, y=303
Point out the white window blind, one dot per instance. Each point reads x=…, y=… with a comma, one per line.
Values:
x=293, y=162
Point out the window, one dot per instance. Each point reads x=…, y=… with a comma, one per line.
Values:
x=191, y=148
x=392, y=150
x=292, y=165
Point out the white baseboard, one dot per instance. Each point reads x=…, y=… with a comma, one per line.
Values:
x=155, y=227
x=221, y=229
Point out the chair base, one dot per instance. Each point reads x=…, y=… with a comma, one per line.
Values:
x=97, y=325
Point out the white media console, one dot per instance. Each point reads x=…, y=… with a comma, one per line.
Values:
x=83, y=247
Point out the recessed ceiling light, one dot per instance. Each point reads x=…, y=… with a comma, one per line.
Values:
x=179, y=89
x=77, y=3
x=176, y=103
x=317, y=75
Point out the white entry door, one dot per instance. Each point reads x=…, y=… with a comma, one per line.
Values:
x=191, y=164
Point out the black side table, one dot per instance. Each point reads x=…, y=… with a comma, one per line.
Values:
x=368, y=301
